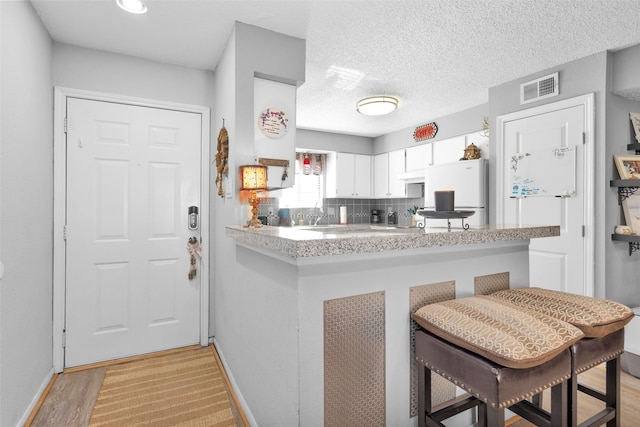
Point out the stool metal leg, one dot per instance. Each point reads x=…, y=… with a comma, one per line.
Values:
x=572, y=399
x=612, y=399
x=425, y=408
x=424, y=378
x=559, y=406
x=494, y=417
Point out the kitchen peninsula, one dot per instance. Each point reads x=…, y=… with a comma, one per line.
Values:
x=328, y=313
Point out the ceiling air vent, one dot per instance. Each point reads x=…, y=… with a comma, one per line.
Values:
x=535, y=90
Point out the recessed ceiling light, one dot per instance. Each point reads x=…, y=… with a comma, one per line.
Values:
x=132, y=6
x=377, y=105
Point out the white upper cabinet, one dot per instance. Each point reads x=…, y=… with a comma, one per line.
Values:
x=419, y=157
x=362, y=176
x=381, y=175
x=397, y=187
x=448, y=150
x=348, y=175
x=386, y=168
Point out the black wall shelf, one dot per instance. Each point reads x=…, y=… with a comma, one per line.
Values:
x=634, y=146
x=626, y=187
x=634, y=241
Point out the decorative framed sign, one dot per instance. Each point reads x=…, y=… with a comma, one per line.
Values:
x=427, y=131
x=631, y=209
x=273, y=123
x=628, y=166
x=635, y=122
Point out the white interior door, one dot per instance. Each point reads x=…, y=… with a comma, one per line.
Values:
x=132, y=173
x=555, y=262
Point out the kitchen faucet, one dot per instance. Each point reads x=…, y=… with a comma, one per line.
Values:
x=317, y=215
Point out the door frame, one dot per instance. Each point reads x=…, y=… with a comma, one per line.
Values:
x=588, y=176
x=61, y=94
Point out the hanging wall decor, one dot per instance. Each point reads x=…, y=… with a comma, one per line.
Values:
x=222, y=157
x=273, y=123
x=635, y=122
x=427, y=131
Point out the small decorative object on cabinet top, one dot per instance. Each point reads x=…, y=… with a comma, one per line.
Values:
x=472, y=152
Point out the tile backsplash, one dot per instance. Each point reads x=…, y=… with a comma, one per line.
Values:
x=358, y=210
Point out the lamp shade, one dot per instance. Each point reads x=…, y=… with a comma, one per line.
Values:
x=377, y=105
x=254, y=177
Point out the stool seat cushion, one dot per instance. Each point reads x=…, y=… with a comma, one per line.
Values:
x=492, y=383
x=499, y=332
x=595, y=317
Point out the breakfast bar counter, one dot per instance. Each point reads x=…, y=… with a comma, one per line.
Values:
x=327, y=310
x=303, y=243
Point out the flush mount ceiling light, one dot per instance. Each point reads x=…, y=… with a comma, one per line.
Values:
x=377, y=105
x=132, y=6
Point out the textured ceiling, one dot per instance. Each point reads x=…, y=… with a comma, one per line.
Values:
x=437, y=57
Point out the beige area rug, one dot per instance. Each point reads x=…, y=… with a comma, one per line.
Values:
x=181, y=389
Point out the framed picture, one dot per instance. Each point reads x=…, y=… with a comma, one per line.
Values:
x=635, y=122
x=628, y=166
x=631, y=209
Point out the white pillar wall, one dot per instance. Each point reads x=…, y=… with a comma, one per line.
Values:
x=250, y=52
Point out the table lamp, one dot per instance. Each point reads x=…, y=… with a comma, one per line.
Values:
x=253, y=180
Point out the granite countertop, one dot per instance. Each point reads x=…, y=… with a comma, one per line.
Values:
x=306, y=242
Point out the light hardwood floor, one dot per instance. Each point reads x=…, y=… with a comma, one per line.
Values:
x=71, y=399
x=588, y=406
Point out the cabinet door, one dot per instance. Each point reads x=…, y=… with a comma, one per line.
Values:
x=448, y=150
x=419, y=157
x=345, y=174
x=381, y=175
x=362, y=178
x=397, y=187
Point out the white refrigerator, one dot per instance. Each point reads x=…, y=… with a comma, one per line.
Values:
x=468, y=179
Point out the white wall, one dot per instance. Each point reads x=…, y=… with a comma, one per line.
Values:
x=622, y=270
x=460, y=123
x=31, y=65
x=328, y=141
x=100, y=71
x=26, y=210
x=249, y=51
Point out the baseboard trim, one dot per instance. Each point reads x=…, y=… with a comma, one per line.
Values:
x=232, y=392
x=240, y=402
x=38, y=399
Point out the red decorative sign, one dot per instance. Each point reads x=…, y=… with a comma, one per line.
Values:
x=427, y=131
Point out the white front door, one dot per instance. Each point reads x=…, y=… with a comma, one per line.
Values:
x=132, y=174
x=559, y=263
